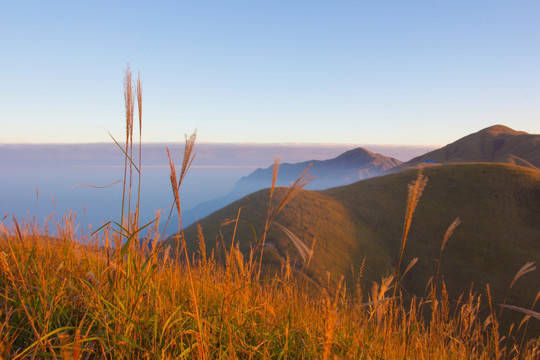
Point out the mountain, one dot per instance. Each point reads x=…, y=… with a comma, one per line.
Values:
x=494, y=144
x=358, y=227
x=351, y=166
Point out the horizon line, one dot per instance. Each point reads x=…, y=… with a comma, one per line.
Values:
x=299, y=144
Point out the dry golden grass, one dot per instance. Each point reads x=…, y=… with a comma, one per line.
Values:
x=63, y=299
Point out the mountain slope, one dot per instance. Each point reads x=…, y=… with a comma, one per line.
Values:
x=499, y=206
x=494, y=144
x=351, y=166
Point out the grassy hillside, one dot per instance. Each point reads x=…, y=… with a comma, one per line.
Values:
x=499, y=206
x=493, y=144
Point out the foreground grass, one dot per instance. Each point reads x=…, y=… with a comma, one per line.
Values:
x=61, y=299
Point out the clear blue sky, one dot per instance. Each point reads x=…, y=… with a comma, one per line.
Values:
x=359, y=72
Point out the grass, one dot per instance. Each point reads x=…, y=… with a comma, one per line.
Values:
x=63, y=299
x=110, y=295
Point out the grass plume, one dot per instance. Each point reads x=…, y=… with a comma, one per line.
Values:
x=416, y=188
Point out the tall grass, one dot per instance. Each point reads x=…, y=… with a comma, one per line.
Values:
x=112, y=296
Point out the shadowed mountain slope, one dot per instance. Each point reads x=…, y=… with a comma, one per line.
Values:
x=349, y=167
x=494, y=144
x=499, y=206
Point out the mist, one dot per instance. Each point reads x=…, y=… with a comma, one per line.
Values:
x=51, y=181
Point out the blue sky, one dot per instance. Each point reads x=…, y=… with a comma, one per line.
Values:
x=355, y=72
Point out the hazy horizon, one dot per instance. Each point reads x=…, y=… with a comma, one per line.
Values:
x=402, y=152
x=41, y=179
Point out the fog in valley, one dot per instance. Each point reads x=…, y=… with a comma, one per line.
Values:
x=45, y=181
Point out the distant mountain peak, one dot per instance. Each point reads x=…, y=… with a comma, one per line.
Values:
x=358, y=150
x=500, y=129
x=358, y=153
x=497, y=143
x=351, y=166
x=363, y=158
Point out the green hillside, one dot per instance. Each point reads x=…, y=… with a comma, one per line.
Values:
x=499, y=206
x=496, y=143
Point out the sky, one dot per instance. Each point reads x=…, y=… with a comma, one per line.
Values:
x=338, y=72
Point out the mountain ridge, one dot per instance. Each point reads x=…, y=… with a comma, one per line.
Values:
x=353, y=165
x=348, y=167
x=497, y=143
